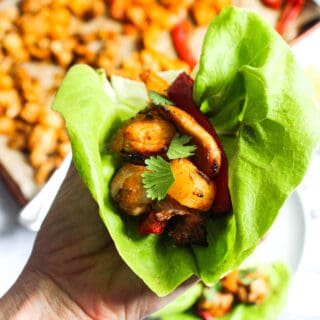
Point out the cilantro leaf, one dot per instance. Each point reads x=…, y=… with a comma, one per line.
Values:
x=159, y=99
x=178, y=149
x=158, y=177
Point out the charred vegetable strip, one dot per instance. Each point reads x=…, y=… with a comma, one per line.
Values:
x=181, y=93
x=207, y=147
x=179, y=35
x=274, y=4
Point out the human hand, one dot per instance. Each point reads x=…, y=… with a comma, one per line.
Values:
x=76, y=268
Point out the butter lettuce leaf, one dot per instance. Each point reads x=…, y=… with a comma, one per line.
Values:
x=254, y=93
x=92, y=113
x=257, y=98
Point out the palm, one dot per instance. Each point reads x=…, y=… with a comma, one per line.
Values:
x=80, y=257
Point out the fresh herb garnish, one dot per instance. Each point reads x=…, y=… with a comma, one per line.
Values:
x=159, y=99
x=178, y=149
x=158, y=178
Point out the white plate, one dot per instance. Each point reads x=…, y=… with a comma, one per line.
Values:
x=286, y=238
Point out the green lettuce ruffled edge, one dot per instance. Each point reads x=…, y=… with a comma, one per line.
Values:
x=269, y=135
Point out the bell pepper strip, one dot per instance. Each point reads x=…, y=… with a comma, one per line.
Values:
x=149, y=224
x=274, y=4
x=179, y=36
x=205, y=315
x=289, y=14
x=180, y=92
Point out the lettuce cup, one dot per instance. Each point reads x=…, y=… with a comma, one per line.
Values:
x=249, y=87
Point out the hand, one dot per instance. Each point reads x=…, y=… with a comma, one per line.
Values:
x=75, y=270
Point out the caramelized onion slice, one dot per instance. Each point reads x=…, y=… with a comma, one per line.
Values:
x=208, y=151
x=180, y=93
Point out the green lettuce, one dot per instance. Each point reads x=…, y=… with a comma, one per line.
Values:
x=180, y=304
x=278, y=277
x=255, y=95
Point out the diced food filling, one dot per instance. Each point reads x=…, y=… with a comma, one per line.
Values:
x=168, y=177
x=241, y=286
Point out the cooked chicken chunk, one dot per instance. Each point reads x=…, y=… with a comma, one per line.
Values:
x=144, y=135
x=220, y=304
x=253, y=288
x=230, y=282
x=249, y=286
x=128, y=192
x=191, y=187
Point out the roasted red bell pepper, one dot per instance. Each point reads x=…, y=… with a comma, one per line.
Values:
x=274, y=4
x=205, y=315
x=150, y=225
x=180, y=93
x=179, y=35
x=289, y=14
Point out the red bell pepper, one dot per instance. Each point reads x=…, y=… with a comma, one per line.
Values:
x=179, y=35
x=205, y=315
x=150, y=225
x=274, y=4
x=289, y=14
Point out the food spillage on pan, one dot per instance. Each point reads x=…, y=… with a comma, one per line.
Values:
x=171, y=168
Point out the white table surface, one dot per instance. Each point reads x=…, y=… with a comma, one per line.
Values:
x=15, y=242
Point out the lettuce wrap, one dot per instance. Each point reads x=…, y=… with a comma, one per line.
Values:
x=252, y=90
x=278, y=279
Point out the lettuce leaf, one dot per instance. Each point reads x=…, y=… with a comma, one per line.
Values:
x=180, y=304
x=278, y=279
x=251, y=88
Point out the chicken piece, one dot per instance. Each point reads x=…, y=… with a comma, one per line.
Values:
x=191, y=188
x=188, y=229
x=207, y=147
x=218, y=306
x=230, y=282
x=253, y=288
x=128, y=192
x=144, y=135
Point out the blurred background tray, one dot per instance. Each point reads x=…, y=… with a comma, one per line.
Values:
x=25, y=169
